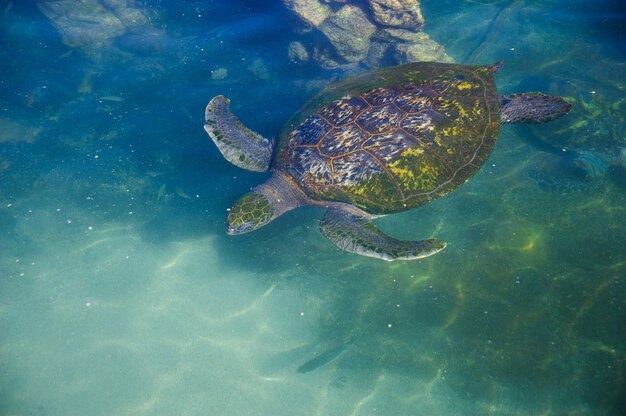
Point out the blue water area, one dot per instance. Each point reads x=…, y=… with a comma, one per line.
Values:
x=121, y=293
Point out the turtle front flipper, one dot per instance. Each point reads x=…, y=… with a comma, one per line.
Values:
x=357, y=234
x=239, y=145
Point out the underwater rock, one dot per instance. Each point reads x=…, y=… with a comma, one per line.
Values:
x=93, y=25
x=349, y=31
x=82, y=23
x=377, y=53
x=297, y=52
x=323, y=57
x=371, y=33
x=311, y=12
x=394, y=35
x=397, y=13
x=259, y=69
x=128, y=12
x=219, y=73
x=14, y=132
x=422, y=50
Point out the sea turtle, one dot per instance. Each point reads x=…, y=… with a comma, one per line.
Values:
x=380, y=142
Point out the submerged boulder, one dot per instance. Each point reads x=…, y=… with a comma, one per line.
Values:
x=422, y=49
x=82, y=23
x=370, y=33
x=311, y=12
x=349, y=31
x=93, y=25
x=15, y=132
x=297, y=52
x=397, y=13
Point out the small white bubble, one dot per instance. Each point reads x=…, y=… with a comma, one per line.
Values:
x=512, y=49
x=90, y=228
x=301, y=313
x=88, y=304
x=388, y=325
x=69, y=221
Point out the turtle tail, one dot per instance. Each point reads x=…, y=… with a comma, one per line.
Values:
x=532, y=107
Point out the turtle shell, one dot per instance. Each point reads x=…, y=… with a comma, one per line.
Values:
x=394, y=138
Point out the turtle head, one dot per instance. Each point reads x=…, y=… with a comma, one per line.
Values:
x=531, y=107
x=252, y=211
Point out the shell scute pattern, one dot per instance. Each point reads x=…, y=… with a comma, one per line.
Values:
x=312, y=167
x=343, y=140
x=400, y=145
x=389, y=146
x=355, y=168
x=461, y=130
x=310, y=131
x=343, y=110
x=456, y=83
x=416, y=98
x=379, y=119
x=381, y=96
x=421, y=123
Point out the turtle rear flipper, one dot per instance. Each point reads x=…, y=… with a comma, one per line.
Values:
x=357, y=234
x=531, y=107
x=239, y=145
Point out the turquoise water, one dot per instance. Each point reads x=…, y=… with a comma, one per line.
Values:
x=121, y=294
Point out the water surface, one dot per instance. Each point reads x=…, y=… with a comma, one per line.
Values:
x=121, y=294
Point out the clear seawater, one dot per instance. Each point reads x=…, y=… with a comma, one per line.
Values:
x=121, y=294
